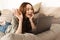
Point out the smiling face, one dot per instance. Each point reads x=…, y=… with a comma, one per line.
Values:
x=26, y=9
x=29, y=10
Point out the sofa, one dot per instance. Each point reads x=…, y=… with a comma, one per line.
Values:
x=47, y=16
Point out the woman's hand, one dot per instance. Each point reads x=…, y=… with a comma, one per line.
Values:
x=30, y=16
x=31, y=21
x=18, y=14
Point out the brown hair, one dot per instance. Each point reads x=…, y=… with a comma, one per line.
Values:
x=22, y=8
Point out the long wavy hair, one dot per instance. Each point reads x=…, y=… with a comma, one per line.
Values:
x=25, y=24
x=22, y=8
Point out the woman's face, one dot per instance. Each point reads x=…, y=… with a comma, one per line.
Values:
x=29, y=10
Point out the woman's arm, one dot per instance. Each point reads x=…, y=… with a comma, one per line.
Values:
x=33, y=25
x=19, y=29
x=20, y=18
x=31, y=21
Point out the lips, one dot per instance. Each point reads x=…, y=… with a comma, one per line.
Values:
x=30, y=14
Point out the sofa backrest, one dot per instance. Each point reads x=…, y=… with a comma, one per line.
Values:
x=7, y=14
x=46, y=16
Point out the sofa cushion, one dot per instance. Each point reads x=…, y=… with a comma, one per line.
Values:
x=55, y=28
x=12, y=36
x=1, y=34
x=37, y=7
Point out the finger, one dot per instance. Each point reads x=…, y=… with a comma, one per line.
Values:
x=19, y=12
x=32, y=14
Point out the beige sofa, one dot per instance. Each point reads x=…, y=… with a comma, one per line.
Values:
x=52, y=34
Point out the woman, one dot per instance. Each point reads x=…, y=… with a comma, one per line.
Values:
x=25, y=15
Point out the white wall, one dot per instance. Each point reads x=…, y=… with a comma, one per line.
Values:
x=51, y=3
x=9, y=4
